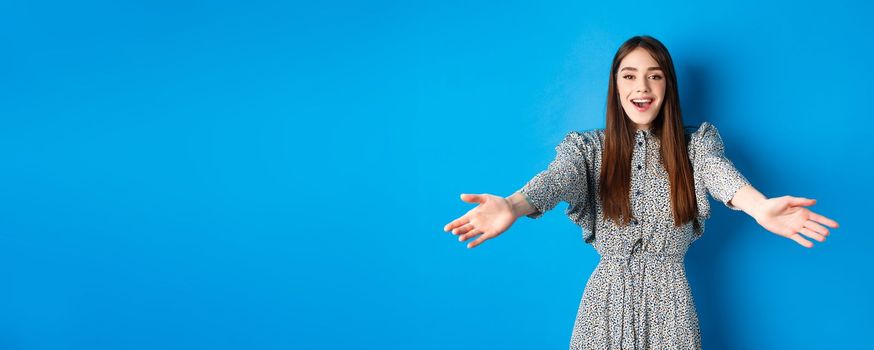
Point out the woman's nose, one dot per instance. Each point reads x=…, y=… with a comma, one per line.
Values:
x=642, y=87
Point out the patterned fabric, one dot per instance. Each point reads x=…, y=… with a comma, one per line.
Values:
x=638, y=296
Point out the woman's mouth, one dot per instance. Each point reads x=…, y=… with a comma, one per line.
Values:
x=642, y=104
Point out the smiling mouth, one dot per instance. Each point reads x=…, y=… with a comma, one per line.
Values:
x=645, y=102
x=642, y=104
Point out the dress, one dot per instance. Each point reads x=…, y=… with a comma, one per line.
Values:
x=638, y=296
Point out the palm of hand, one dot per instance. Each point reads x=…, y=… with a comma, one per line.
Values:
x=787, y=217
x=489, y=219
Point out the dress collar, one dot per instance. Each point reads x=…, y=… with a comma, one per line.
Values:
x=645, y=135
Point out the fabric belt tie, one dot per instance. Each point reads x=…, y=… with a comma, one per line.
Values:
x=634, y=265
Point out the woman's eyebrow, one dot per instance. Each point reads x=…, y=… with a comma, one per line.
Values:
x=635, y=69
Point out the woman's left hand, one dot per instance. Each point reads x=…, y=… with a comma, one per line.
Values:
x=788, y=217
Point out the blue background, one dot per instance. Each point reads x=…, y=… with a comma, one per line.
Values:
x=277, y=175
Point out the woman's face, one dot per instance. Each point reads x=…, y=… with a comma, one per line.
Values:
x=640, y=79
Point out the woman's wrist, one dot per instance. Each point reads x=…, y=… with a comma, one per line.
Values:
x=750, y=201
x=518, y=205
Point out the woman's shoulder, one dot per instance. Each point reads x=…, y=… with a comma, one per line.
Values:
x=586, y=140
x=701, y=131
x=703, y=138
x=583, y=142
x=589, y=136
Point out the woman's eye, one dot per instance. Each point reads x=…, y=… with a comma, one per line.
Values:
x=627, y=76
x=656, y=77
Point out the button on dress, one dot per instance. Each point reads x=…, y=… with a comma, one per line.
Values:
x=638, y=296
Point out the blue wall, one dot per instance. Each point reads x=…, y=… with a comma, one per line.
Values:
x=268, y=175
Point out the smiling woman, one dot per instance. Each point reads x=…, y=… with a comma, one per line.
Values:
x=642, y=86
x=638, y=188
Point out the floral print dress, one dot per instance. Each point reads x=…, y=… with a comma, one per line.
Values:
x=638, y=296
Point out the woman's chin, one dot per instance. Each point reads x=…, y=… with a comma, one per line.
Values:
x=641, y=120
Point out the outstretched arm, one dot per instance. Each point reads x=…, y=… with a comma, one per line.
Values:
x=785, y=216
x=563, y=180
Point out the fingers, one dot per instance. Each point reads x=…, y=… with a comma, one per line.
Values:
x=463, y=229
x=464, y=219
x=803, y=242
x=796, y=201
x=472, y=232
x=810, y=233
x=823, y=219
x=816, y=227
x=478, y=241
x=473, y=198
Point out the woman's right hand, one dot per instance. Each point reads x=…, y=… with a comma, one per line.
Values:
x=491, y=217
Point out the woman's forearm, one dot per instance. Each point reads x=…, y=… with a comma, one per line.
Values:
x=519, y=205
x=749, y=200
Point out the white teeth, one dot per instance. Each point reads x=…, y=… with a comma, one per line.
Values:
x=642, y=101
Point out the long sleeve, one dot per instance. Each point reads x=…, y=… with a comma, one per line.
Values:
x=719, y=174
x=564, y=180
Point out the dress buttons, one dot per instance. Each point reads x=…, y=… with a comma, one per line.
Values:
x=637, y=192
x=640, y=143
x=634, y=221
x=638, y=167
x=638, y=244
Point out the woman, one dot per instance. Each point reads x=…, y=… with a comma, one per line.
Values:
x=638, y=189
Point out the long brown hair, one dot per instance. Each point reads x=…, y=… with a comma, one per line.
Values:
x=619, y=142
